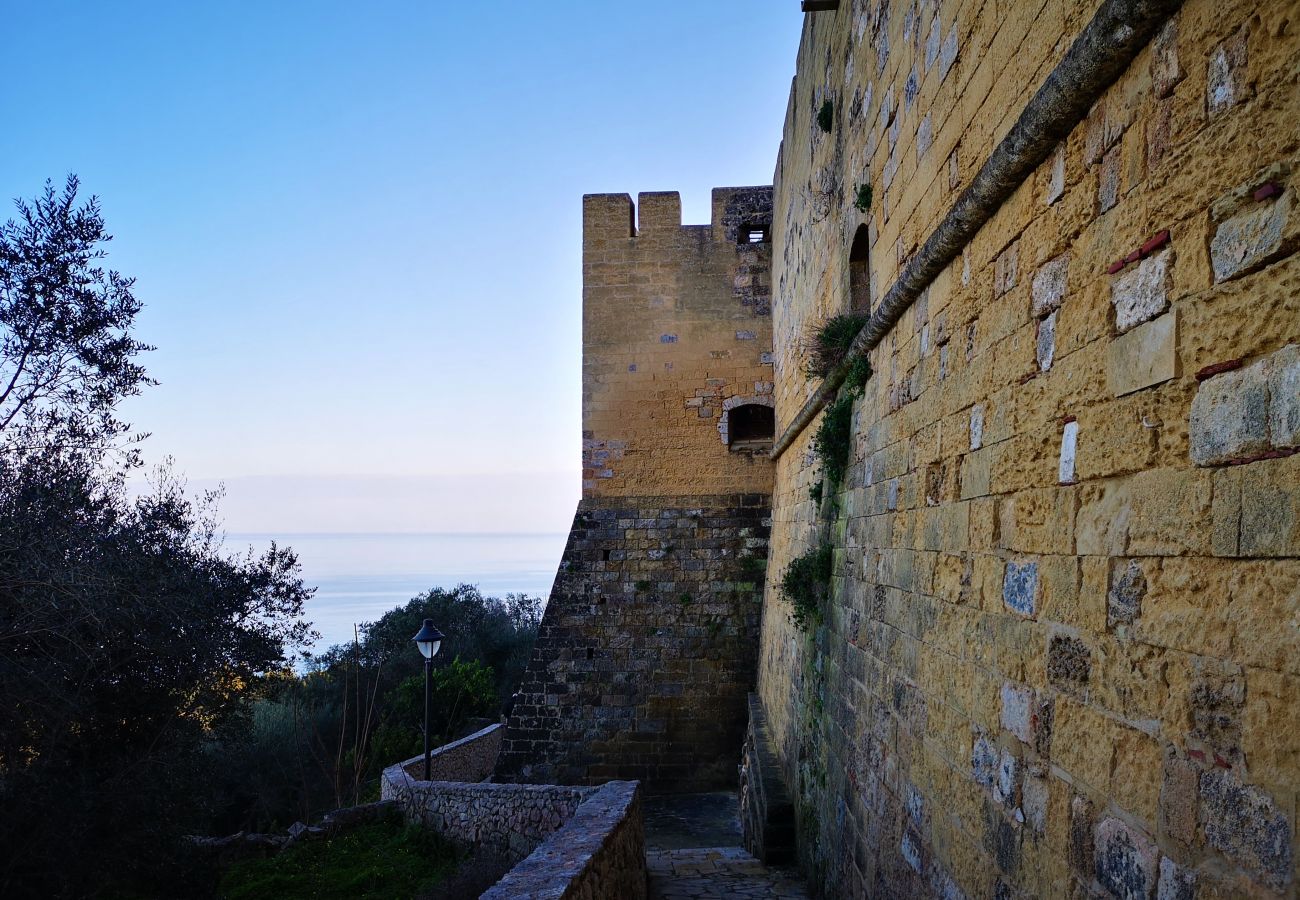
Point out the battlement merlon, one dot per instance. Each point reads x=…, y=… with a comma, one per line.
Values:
x=615, y=217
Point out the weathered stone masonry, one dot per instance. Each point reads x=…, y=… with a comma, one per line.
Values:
x=1061, y=655
x=649, y=643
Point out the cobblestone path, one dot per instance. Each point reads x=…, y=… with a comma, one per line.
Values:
x=693, y=852
x=718, y=872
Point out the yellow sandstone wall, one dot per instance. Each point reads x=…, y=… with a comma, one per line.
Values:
x=1062, y=653
x=676, y=331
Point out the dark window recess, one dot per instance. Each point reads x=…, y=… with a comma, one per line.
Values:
x=754, y=234
x=860, y=271
x=750, y=425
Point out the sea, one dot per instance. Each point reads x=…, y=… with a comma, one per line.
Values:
x=359, y=577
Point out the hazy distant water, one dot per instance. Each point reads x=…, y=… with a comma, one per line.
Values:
x=359, y=577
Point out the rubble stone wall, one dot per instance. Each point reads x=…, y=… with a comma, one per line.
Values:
x=1061, y=656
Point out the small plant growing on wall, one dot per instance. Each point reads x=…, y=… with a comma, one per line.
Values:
x=859, y=374
x=826, y=116
x=863, y=199
x=834, y=439
x=806, y=583
x=828, y=344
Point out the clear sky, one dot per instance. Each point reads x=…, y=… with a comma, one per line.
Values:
x=356, y=227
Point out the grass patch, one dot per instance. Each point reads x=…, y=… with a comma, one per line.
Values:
x=377, y=861
x=806, y=583
x=642, y=586
x=834, y=439
x=828, y=344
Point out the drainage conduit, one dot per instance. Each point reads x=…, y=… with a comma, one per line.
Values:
x=1101, y=53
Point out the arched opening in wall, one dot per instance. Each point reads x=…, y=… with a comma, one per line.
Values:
x=751, y=427
x=860, y=271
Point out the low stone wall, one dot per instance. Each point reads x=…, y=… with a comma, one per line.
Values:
x=600, y=852
x=766, y=811
x=468, y=759
x=509, y=818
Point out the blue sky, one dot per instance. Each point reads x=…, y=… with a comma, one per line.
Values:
x=356, y=227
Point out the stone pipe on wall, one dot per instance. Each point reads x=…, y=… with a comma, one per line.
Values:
x=1103, y=50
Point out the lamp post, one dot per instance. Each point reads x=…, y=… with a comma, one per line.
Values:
x=428, y=639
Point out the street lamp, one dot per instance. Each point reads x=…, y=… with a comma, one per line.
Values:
x=428, y=639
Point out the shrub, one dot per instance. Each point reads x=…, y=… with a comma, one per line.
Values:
x=828, y=344
x=826, y=116
x=859, y=373
x=834, y=439
x=805, y=584
x=863, y=199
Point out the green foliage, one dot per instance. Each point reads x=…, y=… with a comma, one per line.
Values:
x=826, y=116
x=66, y=351
x=815, y=492
x=376, y=861
x=685, y=599
x=752, y=568
x=834, y=439
x=458, y=692
x=863, y=198
x=642, y=586
x=859, y=374
x=828, y=344
x=806, y=583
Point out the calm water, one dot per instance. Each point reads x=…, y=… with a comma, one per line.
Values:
x=359, y=577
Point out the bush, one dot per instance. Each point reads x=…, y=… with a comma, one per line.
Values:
x=863, y=199
x=834, y=439
x=806, y=583
x=826, y=116
x=828, y=344
x=859, y=374
x=376, y=861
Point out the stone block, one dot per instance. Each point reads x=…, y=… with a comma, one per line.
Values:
x=977, y=426
x=1018, y=710
x=1166, y=70
x=1005, y=269
x=1178, y=799
x=1284, y=397
x=1226, y=80
x=1128, y=585
x=1142, y=293
x=1006, y=784
x=1056, y=178
x=1108, y=179
x=976, y=469
x=1048, y=287
x=1176, y=882
x=1246, y=825
x=1045, y=342
x=1230, y=415
x=1020, y=587
x=1069, y=663
x=984, y=761
x=1145, y=356
x=1250, y=239
x=1269, y=523
x=1034, y=798
x=1126, y=861
x=1066, y=468
x=1080, y=848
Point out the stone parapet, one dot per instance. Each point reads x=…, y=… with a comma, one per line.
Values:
x=600, y=852
x=471, y=758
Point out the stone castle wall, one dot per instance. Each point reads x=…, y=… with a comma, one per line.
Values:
x=676, y=330
x=649, y=642
x=1062, y=652
x=648, y=647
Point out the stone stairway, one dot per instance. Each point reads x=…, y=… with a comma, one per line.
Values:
x=693, y=850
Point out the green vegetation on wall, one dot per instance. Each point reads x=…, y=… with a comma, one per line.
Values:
x=834, y=439
x=806, y=583
x=828, y=344
x=826, y=116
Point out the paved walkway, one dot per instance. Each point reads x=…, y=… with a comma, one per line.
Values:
x=693, y=852
x=718, y=872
